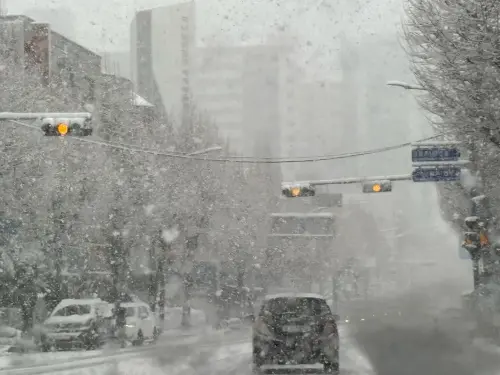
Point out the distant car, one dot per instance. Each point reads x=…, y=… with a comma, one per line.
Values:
x=295, y=330
x=77, y=323
x=140, y=323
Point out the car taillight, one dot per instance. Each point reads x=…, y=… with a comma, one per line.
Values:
x=261, y=329
x=330, y=329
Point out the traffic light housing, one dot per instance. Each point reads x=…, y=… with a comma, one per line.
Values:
x=472, y=222
x=61, y=127
x=377, y=186
x=296, y=191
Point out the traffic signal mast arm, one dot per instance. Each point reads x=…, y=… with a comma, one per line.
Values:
x=41, y=115
x=346, y=180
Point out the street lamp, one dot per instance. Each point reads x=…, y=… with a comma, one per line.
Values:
x=205, y=151
x=406, y=86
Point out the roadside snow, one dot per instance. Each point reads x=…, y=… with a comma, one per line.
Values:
x=142, y=366
x=173, y=318
x=35, y=359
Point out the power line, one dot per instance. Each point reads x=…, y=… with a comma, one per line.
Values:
x=241, y=159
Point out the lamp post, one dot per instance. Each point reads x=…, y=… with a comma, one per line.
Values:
x=405, y=85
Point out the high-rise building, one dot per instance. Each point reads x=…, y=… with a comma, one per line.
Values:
x=117, y=63
x=218, y=91
x=317, y=129
x=161, y=43
x=244, y=91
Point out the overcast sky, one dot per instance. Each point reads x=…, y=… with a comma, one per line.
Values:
x=105, y=24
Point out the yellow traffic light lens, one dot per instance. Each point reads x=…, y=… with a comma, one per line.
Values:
x=295, y=191
x=376, y=188
x=62, y=128
x=483, y=239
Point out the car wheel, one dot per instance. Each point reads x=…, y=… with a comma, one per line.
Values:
x=256, y=369
x=139, y=340
x=257, y=361
x=331, y=368
x=93, y=341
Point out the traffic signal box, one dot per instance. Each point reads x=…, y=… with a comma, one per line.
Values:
x=298, y=191
x=70, y=126
x=377, y=186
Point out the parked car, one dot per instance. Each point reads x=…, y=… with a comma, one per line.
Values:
x=84, y=323
x=141, y=323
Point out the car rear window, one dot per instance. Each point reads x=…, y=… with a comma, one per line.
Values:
x=130, y=311
x=296, y=307
x=73, y=310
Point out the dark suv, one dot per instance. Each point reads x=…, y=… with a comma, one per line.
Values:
x=295, y=331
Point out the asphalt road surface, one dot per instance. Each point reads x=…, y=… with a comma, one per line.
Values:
x=415, y=334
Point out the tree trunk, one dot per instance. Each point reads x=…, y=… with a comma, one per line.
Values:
x=27, y=310
x=152, y=291
x=153, y=280
x=335, y=292
x=241, y=284
x=160, y=284
x=186, y=307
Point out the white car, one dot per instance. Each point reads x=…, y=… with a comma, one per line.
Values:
x=141, y=323
x=77, y=322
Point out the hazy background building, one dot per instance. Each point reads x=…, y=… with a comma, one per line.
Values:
x=158, y=38
x=61, y=19
x=117, y=63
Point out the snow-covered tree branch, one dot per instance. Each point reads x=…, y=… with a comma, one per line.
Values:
x=455, y=55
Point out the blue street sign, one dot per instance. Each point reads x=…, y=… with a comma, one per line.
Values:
x=421, y=154
x=435, y=174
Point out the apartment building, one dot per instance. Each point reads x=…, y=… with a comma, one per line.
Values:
x=57, y=59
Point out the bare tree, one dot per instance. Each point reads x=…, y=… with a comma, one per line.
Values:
x=454, y=50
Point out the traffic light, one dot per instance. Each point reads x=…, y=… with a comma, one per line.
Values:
x=472, y=222
x=471, y=239
x=377, y=186
x=296, y=191
x=67, y=126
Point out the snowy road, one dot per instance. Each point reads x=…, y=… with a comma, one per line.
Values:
x=419, y=336
x=406, y=335
x=230, y=355
x=234, y=358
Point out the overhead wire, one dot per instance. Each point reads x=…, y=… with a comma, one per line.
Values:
x=239, y=159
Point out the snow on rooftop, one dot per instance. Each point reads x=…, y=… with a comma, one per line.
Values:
x=140, y=101
x=290, y=185
x=292, y=295
x=479, y=198
x=73, y=301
